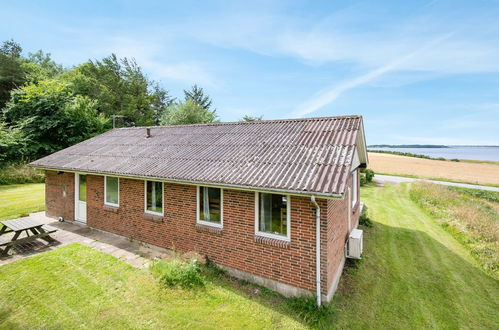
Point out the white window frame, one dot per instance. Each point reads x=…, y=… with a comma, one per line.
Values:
x=198, y=203
x=105, y=192
x=286, y=238
x=162, y=199
x=355, y=188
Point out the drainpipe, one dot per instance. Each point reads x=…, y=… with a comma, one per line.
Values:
x=317, y=249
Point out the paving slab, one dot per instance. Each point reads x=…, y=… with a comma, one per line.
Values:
x=133, y=252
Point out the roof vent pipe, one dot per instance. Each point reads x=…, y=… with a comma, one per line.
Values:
x=317, y=249
x=148, y=132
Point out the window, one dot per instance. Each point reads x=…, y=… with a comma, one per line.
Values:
x=355, y=188
x=273, y=215
x=210, y=206
x=82, y=193
x=154, y=197
x=112, y=190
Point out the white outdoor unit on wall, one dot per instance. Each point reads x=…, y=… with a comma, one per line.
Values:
x=353, y=248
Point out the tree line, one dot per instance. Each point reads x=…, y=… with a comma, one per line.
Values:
x=45, y=107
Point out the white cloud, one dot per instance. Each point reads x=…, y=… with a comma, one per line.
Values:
x=150, y=55
x=326, y=97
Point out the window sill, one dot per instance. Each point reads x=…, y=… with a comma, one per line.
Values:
x=110, y=208
x=272, y=241
x=153, y=217
x=208, y=229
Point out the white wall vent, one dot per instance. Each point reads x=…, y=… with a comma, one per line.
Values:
x=353, y=248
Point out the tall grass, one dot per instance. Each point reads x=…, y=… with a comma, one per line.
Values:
x=471, y=218
x=17, y=173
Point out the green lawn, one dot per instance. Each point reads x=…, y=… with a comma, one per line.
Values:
x=20, y=199
x=78, y=287
x=414, y=273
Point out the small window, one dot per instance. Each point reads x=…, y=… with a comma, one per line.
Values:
x=154, y=197
x=210, y=206
x=273, y=215
x=355, y=189
x=82, y=193
x=112, y=190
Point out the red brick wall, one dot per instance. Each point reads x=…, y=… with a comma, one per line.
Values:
x=59, y=194
x=234, y=246
x=338, y=230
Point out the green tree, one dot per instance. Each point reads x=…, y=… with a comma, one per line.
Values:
x=12, y=74
x=251, y=118
x=39, y=66
x=196, y=94
x=12, y=142
x=120, y=87
x=187, y=112
x=52, y=117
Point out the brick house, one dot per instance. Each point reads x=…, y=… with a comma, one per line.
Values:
x=251, y=196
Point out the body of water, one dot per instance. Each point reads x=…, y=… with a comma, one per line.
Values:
x=476, y=153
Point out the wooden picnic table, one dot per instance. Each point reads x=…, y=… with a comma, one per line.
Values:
x=32, y=228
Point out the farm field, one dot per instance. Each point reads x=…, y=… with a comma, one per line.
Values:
x=486, y=173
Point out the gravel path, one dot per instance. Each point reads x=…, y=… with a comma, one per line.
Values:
x=399, y=179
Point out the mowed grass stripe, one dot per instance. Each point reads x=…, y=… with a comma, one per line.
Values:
x=76, y=286
x=414, y=274
x=21, y=199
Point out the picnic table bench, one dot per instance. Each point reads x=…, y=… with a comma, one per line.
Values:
x=33, y=229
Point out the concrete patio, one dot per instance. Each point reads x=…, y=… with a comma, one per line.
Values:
x=135, y=253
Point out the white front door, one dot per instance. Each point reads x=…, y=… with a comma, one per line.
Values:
x=81, y=197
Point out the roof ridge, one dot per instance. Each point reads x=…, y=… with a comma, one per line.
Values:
x=251, y=122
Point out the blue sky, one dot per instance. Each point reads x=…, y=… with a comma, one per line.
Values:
x=418, y=71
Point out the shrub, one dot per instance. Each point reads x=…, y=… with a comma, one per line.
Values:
x=364, y=218
x=17, y=173
x=455, y=160
x=178, y=272
x=366, y=176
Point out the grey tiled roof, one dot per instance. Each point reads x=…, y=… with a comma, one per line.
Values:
x=311, y=155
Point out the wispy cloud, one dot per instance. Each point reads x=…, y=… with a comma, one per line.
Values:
x=326, y=97
x=150, y=54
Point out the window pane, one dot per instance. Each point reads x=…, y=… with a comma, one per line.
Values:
x=82, y=195
x=273, y=214
x=355, y=192
x=210, y=203
x=154, y=198
x=112, y=190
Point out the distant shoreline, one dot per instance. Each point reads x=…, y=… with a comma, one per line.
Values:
x=466, y=171
x=407, y=146
x=413, y=146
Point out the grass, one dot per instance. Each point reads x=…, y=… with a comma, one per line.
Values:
x=414, y=274
x=78, y=287
x=464, y=172
x=21, y=199
x=17, y=173
x=470, y=216
x=491, y=196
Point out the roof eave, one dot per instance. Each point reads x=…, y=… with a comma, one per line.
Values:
x=192, y=182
